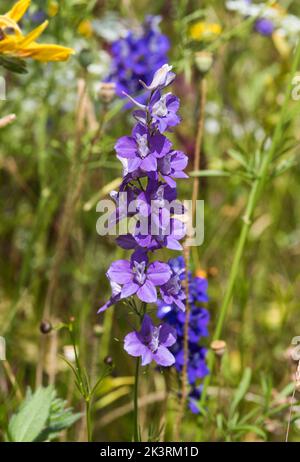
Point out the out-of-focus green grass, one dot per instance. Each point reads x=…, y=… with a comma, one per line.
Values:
x=245, y=87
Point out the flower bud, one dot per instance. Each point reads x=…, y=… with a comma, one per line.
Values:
x=203, y=61
x=218, y=347
x=108, y=361
x=45, y=327
x=98, y=330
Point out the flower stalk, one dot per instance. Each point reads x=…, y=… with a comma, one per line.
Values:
x=136, y=434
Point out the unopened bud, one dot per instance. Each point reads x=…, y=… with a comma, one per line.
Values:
x=98, y=330
x=203, y=61
x=107, y=91
x=108, y=361
x=218, y=347
x=69, y=353
x=45, y=327
x=212, y=271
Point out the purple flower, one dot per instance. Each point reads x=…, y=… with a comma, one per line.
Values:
x=157, y=196
x=151, y=211
x=137, y=56
x=138, y=278
x=171, y=167
x=170, y=311
x=141, y=150
x=172, y=292
x=161, y=231
x=264, y=26
x=197, y=368
x=115, y=297
x=194, y=397
x=162, y=110
x=161, y=79
x=198, y=290
x=151, y=343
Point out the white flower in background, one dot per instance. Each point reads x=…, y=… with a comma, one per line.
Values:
x=287, y=25
x=290, y=25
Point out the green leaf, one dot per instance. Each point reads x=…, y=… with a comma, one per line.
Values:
x=236, y=155
x=285, y=165
x=251, y=428
x=28, y=423
x=60, y=418
x=241, y=390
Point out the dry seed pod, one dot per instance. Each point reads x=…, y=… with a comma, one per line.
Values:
x=218, y=347
x=107, y=91
x=203, y=61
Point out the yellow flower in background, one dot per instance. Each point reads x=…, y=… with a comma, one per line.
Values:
x=14, y=44
x=85, y=28
x=53, y=8
x=282, y=45
x=205, y=31
x=280, y=10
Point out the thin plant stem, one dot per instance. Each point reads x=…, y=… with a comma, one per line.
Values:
x=136, y=434
x=199, y=138
x=88, y=420
x=11, y=377
x=290, y=416
x=296, y=386
x=255, y=193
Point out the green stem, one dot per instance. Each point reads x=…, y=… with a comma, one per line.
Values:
x=254, y=196
x=136, y=402
x=136, y=434
x=88, y=420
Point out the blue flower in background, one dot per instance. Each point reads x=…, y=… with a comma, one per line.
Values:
x=137, y=56
x=264, y=26
x=199, y=318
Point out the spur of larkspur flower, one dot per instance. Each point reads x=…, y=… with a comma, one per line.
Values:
x=151, y=343
x=14, y=43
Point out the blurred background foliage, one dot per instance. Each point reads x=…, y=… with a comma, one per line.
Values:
x=49, y=150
